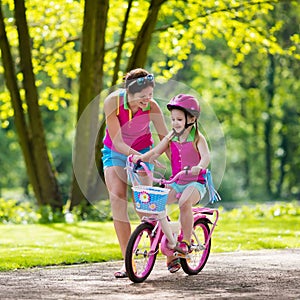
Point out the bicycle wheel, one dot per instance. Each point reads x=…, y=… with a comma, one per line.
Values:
x=199, y=254
x=139, y=259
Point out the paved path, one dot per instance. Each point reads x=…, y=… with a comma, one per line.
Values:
x=266, y=274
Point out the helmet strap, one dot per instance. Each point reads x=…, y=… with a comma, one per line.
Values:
x=187, y=125
x=178, y=134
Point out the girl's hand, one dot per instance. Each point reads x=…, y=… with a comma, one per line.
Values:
x=196, y=170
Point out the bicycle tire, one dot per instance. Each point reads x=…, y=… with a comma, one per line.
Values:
x=139, y=260
x=198, y=258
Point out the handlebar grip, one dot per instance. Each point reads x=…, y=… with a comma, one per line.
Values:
x=137, y=166
x=130, y=157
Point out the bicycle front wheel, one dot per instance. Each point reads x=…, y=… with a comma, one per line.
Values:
x=139, y=259
x=200, y=249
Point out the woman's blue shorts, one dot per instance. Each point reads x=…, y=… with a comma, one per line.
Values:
x=111, y=158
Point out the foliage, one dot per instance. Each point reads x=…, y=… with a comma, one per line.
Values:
x=254, y=122
x=12, y=212
x=24, y=212
x=265, y=211
x=219, y=48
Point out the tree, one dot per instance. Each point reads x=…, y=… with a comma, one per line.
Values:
x=31, y=134
x=91, y=73
x=159, y=35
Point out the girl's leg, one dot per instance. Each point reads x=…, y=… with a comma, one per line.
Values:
x=173, y=263
x=189, y=197
x=116, y=182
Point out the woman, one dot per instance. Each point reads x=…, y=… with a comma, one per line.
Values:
x=128, y=114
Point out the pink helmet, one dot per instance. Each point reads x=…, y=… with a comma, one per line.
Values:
x=185, y=102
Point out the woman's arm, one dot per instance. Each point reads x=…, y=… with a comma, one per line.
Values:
x=159, y=123
x=157, y=118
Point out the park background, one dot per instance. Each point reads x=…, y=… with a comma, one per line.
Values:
x=242, y=57
x=57, y=57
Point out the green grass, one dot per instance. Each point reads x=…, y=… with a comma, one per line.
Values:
x=23, y=246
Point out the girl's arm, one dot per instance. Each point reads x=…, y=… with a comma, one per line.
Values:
x=157, y=151
x=205, y=156
x=113, y=125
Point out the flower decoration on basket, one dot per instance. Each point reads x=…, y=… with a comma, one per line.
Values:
x=153, y=206
x=144, y=197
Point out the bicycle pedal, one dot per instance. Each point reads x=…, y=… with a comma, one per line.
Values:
x=201, y=247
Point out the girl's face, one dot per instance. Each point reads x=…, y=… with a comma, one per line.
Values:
x=178, y=119
x=142, y=98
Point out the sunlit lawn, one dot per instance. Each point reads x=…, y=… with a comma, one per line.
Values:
x=23, y=246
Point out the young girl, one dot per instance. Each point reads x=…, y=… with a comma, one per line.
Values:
x=189, y=150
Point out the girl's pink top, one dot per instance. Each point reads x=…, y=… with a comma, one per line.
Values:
x=135, y=129
x=185, y=155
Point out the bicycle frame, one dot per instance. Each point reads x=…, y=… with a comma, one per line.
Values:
x=155, y=231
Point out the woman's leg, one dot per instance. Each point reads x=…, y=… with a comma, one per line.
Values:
x=116, y=182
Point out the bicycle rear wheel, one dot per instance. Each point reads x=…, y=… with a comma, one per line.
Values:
x=199, y=255
x=139, y=259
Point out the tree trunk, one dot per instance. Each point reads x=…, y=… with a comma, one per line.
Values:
x=19, y=114
x=92, y=60
x=121, y=42
x=141, y=46
x=268, y=123
x=31, y=137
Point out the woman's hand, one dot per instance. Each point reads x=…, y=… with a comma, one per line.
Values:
x=136, y=158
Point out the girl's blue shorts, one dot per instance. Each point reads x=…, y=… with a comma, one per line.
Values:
x=111, y=158
x=179, y=188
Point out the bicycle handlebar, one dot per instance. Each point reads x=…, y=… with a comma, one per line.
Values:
x=140, y=163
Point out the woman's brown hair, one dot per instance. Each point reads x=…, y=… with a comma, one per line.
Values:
x=130, y=80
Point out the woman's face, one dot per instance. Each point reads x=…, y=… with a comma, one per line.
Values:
x=142, y=98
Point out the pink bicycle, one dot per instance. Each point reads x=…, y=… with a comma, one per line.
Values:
x=156, y=231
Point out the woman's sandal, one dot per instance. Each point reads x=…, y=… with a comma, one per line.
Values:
x=174, y=265
x=121, y=274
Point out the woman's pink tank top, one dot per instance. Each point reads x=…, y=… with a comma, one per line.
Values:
x=135, y=130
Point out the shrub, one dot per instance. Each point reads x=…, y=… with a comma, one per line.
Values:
x=12, y=211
